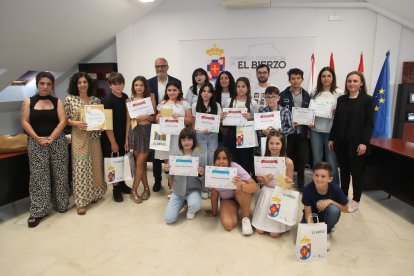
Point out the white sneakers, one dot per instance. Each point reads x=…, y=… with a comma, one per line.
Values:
x=247, y=229
x=190, y=215
x=352, y=206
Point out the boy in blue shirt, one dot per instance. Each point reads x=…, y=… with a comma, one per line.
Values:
x=325, y=200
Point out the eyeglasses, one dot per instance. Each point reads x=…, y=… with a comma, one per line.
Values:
x=271, y=98
x=161, y=66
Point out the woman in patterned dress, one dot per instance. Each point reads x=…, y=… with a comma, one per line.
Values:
x=87, y=162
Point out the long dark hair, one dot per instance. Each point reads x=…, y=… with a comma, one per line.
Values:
x=200, y=107
x=147, y=90
x=281, y=136
x=219, y=88
x=248, y=94
x=363, y=88
x=73, y=84
x=196, y=72
x=176, y=84
x=319, y=86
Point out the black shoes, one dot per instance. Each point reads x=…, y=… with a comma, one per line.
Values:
x=33, y=222
x=120, y=189
x=116, y=192
x=156, y=187
x=124, y=188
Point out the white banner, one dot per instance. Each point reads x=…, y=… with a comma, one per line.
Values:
x=241, y=56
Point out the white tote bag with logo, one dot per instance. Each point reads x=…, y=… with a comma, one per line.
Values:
x=311, y=241
x=114, y=169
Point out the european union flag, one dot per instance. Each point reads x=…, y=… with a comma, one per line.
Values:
x=381, y=102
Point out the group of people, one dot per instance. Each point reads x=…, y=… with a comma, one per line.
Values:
x=342, y=140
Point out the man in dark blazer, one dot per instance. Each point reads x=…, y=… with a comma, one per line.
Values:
x=157, y=85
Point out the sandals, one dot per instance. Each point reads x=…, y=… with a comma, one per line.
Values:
x=146, y=194
x=81, y=211
x=135, y=197
x=33, y=222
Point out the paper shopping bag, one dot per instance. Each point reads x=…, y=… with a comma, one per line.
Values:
x=129, y=166
x=159, y=141
x=246, y=136
x=284, y=206
x=114, y=169
x=311, y=241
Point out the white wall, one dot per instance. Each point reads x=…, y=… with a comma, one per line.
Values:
x=159, y=33
x=361, y=30
x=10, y=100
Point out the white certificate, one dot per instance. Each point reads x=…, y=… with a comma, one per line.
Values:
x=140, y=107
x=169, y=125
x=246, y=136
x=269, y=165
x=209, y=122
x=183, y=165
x=322, y=109
x=220, y=177
x=94, y=117
x=234, y=117
x=267, y=119
x=303, y=116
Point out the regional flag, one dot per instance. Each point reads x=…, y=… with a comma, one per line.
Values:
x=361, y=63
x=381, y=102
x=331, y=62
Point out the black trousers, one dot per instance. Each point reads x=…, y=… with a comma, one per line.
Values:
x=350, y=165
x=297, y=149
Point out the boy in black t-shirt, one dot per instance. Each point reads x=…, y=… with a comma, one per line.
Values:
x=323, y=199
x=114, y=140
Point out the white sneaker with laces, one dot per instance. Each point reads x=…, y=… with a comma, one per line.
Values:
x=190, y=215
x=353, y=206
x=247, y=229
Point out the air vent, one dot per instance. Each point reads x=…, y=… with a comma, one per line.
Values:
x=235, y=4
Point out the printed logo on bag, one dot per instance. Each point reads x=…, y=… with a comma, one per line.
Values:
x=274, y=210
x=305, y=250
x=111, y=174
x=239, y=138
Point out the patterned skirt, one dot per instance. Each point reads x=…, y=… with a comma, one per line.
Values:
x=139, y=138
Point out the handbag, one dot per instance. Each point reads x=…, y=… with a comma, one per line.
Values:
x=13, y=143
x=311, y=241
x=129, y=166
x=284, y=206
x=114, y=169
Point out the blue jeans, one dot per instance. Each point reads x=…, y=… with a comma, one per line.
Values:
x=330, y=216
x=177, y=202
x=319, y=142
x=209, y=143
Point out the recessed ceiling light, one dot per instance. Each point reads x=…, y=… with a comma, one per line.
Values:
x=146, y=1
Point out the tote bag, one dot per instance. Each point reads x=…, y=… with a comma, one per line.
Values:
x=114, y=169
x=284, y=206
x=311, y=241
x=129, y=166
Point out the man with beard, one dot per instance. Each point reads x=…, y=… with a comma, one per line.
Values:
x=258, y=90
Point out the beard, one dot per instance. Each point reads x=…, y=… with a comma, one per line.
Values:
x=262, y=80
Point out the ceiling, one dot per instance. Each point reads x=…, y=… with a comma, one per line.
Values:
x=55, y=35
